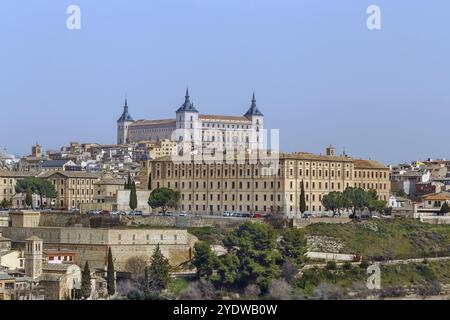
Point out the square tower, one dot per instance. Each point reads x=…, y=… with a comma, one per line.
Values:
x=33, y=257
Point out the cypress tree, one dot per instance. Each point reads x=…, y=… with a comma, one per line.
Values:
x=133, y=197
x=159, y=271
x=302, y=198
x=86, y=281
x=29, y=197
x=129, y=182
x=146, y=282
x=110, y=276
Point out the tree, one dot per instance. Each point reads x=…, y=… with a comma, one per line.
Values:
x=86, y=281
x=128, y=183
x=136, y=266
x=376, y=205
x=302, y=198
x=159, y=271
x=293, y=246
x=358, y=199
x=163, y=198
x=149, y=186
x=146, y=282
x=254, y=255
x=42, y=187
x=5, y=203
x=279, y=289
x=444, y=209
x=29, y=197
x=331, y=201
x=229, y=269
x=110, y=275
x=205, y=260
x=133, y=197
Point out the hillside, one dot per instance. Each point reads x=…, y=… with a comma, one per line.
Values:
x=386, y=239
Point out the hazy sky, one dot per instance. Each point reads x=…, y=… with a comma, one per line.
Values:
x=319, y=74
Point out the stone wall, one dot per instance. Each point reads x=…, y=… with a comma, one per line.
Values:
x=302, y=223
x=92, y=244
x=187, y=222
x=64, y=219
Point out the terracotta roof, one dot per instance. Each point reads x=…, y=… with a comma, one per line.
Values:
x=368, y=164
x=211, y=117
x=437, y=197
x=311, y=156
x=162, y=122
x=71, y=174
x=14, y=174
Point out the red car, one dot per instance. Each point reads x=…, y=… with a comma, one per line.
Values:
x=257, y=216
x=104, y=213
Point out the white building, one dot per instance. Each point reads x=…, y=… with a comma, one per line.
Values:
x=212, y=131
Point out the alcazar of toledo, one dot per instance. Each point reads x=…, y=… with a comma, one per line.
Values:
x=217, y=131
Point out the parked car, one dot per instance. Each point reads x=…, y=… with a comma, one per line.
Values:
x=257, y=216
x=227, y=214
x=306, y=215
x=137, y=213
x=114, y=213
x=104, y=213
x=93, y=212
x=182, y=214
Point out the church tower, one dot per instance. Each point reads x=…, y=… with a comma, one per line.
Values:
x=122, y=125
x=257, y=119
x=33, y=257
x=187, y=122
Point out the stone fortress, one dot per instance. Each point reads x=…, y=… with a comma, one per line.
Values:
x=92, y=243
x=214, y=131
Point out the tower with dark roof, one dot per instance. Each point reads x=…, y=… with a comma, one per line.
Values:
x=257, y=119
x=122, y=124
x=187, y=122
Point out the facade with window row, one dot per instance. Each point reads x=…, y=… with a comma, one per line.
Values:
x=213, y=188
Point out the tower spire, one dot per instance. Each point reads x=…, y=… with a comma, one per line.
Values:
x=253, y=110
x=187, y=105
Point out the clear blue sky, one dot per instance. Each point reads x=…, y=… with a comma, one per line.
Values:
x=319, y=74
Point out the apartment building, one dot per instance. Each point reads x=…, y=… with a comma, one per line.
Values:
x=73, y=187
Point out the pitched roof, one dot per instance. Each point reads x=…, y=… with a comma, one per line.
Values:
x=71, y=174
x=54, y=163
x=212, y=117
x=187, y=105
x=125, y=115
x=33, y=238
x=162, y=122
x=253, y=111
x=368, y=164
x=311, y=156
x=443, y=196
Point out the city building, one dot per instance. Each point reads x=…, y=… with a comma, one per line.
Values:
x=210, y=131
x=73, y=188
x=213, y=188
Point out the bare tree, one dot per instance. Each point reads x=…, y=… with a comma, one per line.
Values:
x=325, y=291
x=279, y=289
x=252, y=291
x=136, y=266
x=199, y=290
